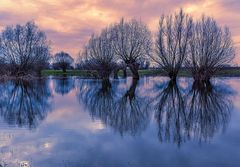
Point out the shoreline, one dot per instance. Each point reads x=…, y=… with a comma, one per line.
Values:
x=229, y=72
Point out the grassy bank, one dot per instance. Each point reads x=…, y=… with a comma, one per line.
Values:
x=84, y=73
x=228, y=72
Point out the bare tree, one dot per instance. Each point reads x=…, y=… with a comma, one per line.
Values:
x=172, y=41
x=211, y=47
x=99, y=54
x=132, y=42
x=24, y=49
x=62, y=60
x=81, y=62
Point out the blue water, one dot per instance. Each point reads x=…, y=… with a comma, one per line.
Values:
x=150, y=122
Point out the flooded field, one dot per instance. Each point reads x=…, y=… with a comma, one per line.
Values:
x=150, y=122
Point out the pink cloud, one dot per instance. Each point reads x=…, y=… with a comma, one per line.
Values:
x=69, y=23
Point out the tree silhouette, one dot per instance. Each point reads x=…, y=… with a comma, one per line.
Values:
x=62, y=60
x=132, y=43
x=211, y=48
x=24, y=49
x=99, y=54
x=172, y=41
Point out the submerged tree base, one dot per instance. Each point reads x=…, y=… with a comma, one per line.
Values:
x=134, y=67
x=173, y=75
x=131, y=92
x=106, y=85
x=202, y=85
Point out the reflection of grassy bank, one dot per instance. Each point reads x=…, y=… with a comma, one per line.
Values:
x=150, y=72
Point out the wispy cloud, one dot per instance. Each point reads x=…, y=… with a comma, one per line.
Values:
x=69, y=23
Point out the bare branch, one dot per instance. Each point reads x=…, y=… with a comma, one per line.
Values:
x=172, y=40
x=24, y=49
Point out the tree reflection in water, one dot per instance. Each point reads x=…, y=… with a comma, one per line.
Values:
x=98, y=98
x=24, y=103
x=64, y=85
x=198, y=114
x=208, y=110
x=131, y=114
x=125, y=113
x=170, y=113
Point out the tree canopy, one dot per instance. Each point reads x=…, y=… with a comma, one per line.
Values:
x=62, y=60
x=24, y=49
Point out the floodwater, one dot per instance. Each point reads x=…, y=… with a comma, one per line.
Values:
x=74, y=122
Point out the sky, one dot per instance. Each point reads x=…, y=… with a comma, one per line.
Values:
x=70, y=23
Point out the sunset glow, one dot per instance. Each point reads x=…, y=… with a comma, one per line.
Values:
x=70, y=23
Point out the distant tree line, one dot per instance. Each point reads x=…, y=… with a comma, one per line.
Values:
x=62, y=60
x=202, y=46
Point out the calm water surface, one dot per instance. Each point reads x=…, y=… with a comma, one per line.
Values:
x=153, y=122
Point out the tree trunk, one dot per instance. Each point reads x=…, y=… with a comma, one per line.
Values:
x=124, y=73
x=104, y=74
x=134, y=69
x=172, y=76
x=115, y=73
x=39, y=74
x=202, y=75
